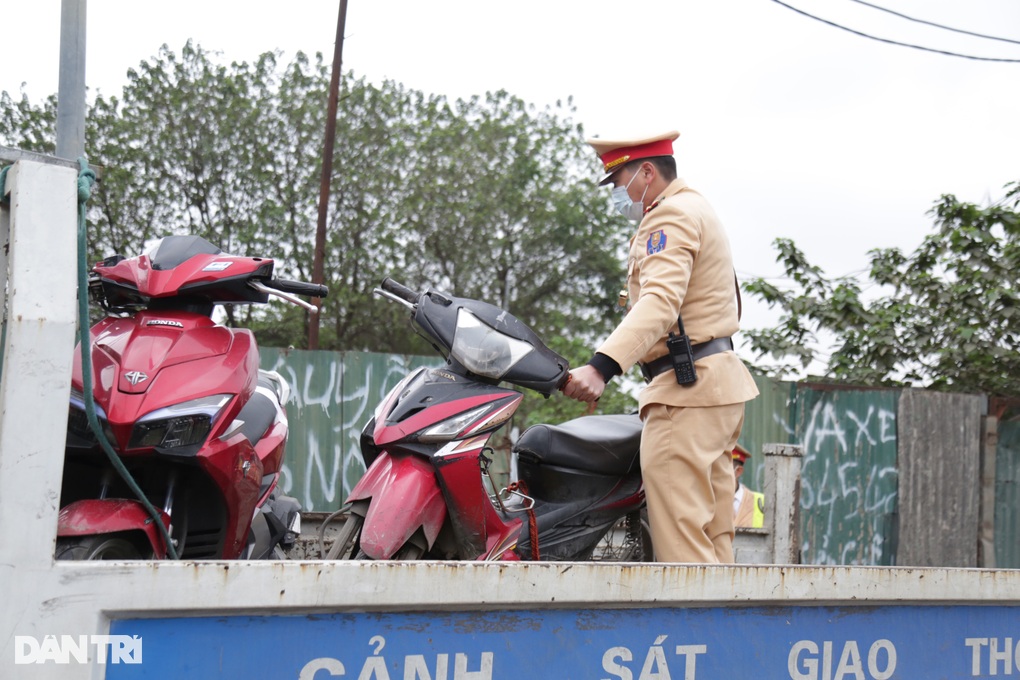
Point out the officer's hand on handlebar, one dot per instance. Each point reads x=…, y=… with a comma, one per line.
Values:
x=584, y=384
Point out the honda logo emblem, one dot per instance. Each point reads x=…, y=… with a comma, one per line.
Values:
x=135, y=377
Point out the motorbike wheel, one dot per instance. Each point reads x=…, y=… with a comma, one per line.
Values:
x=347, y=539
x=409, y=551
x=98, y=547
x=629, y=540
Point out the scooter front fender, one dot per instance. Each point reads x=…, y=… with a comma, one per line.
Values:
x=403, y=496
x=95, y=516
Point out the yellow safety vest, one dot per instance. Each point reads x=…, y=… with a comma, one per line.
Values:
x=758, y=519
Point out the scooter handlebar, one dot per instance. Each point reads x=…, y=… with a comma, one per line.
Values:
x=298, y=287
x=399, y=289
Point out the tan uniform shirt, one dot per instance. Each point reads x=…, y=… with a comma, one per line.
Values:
x=680, y=261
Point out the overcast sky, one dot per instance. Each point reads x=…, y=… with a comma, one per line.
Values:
x=790, y=127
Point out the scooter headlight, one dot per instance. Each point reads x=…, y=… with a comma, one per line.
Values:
x=483, y=350
x=450, y=427
x=178, y=426
x=78, y=428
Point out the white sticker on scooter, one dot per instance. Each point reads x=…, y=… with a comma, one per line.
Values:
x=217, y=266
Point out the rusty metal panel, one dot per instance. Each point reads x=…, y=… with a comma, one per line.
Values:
x=848, y=479
x=333, y=396
x=940, y=478
x=1007, y=491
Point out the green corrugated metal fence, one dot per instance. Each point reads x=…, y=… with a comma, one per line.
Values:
x=1007, y=493
x=848, y=479
x=333, y=396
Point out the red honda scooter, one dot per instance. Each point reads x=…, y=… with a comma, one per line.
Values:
x=427, y=492
x=199, y=429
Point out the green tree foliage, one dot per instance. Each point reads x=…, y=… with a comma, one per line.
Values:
x=506, y=212
x=487, y=197
x=943, y=317
x=32, y=127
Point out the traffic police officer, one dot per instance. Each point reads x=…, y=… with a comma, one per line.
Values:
x=679, y=268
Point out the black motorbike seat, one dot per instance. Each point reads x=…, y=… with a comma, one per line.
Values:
x=603, y=444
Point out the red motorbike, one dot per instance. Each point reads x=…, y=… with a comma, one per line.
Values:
x=427, y=492
x=195, y=426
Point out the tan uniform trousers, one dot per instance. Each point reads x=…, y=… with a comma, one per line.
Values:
x=688, y=476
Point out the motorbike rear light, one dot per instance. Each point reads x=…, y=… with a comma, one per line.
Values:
x=182, y=425
x=483, y=350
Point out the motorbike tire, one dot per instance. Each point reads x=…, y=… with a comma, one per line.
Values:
x=97, y=547
x=409, y=551
x=347, y=539
x=629, y=540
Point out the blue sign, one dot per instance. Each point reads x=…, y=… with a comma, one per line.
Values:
x=798, y=643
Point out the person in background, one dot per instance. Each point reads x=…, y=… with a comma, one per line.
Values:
x=748, y=506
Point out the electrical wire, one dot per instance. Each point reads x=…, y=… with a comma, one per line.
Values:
x=894, y=42
x=932, y=23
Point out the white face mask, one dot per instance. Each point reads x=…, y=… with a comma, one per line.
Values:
x=623, y=203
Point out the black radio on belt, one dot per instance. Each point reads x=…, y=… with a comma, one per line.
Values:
x=681, y=355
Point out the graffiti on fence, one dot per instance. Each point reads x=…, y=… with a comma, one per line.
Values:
x=333, y=396
x=849, y=477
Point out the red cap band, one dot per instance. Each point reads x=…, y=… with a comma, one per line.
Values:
x=617, y=157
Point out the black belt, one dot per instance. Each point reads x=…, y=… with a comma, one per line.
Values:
x=700, y=351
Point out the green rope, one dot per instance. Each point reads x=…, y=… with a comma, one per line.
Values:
x=3, y=312
x=3, y=182
x=86, y=178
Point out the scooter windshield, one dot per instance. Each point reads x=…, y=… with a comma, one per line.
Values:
x=172, y=251
x=489, y=342
x=484, y=350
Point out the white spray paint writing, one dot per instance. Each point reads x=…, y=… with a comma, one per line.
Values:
x=836, y=491
x=329, y=459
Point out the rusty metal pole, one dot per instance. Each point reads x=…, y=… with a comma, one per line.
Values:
x=327, y=167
